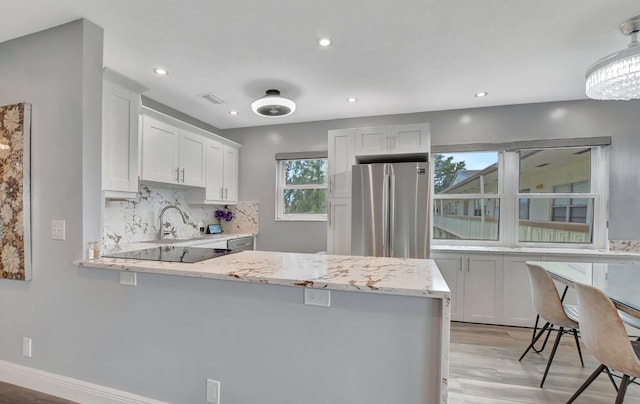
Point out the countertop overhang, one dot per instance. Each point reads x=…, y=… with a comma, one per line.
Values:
x=395, y=276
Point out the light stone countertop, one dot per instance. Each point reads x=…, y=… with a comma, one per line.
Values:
x=395, y=276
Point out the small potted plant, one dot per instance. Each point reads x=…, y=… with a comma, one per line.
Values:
x=223, y=214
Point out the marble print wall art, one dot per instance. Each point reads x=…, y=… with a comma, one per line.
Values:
x=15, y=225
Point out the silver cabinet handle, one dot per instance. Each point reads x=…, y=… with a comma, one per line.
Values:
x=178, y=174
x=226, y=193
x=222, y=193
x=183, y=175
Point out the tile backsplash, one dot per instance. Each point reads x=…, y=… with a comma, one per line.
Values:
x=139, y=220
x=624, y=245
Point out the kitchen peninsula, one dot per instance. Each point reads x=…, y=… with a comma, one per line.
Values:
x=384, y=338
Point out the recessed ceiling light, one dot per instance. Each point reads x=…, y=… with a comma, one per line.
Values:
x=233, y=112
x=352, y=99
x=160, y=71
x=325, y=42
x=482, y=94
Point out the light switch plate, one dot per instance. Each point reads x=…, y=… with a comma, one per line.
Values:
x=213, y=391
x=58, y=229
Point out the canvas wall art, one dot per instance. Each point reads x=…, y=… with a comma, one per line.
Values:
x=15, y=212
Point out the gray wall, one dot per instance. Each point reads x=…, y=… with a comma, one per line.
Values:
x=585, y=118
x=165, y=337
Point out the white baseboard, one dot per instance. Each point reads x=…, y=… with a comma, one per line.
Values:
x=67, y=387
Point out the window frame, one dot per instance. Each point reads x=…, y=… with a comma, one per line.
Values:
x=281, y=186
x=509, y=197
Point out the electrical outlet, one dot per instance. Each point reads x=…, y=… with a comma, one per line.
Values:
x=213, y=391
x=26, y=347
x=58, y=229
x=128, y=278
x=317, y=297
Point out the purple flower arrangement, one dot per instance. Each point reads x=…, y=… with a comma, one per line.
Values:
x=224, y=214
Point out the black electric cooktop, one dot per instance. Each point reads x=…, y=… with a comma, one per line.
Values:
x=172, y=254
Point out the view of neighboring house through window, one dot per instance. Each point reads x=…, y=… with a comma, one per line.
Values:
x=539, y=196
x=466, y=201
x=556, y=183
x=302, y=189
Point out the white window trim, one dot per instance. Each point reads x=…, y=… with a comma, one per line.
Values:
x=281, y=186
x=508, y=184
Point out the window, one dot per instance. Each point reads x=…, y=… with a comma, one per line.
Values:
x=521, y=197
x=301, y=189
x=466, y=196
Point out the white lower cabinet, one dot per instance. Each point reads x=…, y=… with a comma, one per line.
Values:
x=339, y=226
x=517, y=302
x=483, y=289
x=453, y=273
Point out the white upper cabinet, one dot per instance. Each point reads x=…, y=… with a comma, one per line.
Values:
x=192, y=150
x=341, y=158
x=171, y=155
x=160, y=151
x=214, y=162
x=222, y=173
x=120, y=105
x=230, y=174
x=401, y=139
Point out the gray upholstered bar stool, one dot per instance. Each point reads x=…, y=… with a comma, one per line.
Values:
x=604, y=335
x=549, y=306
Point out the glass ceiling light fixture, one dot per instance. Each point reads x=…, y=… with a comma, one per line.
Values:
x=617, y=76
x=273, y=105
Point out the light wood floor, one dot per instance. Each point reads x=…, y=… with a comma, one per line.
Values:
x=484, y=368
x=12, y=394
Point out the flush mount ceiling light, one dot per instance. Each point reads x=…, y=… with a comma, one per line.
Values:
x=617, y=76
x=273, y=105
x=160, y=71
x=325, y=42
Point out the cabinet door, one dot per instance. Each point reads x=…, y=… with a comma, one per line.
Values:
x=160, y=151
x=341, y=158
x=483, y=285
x=410, y=139
x=230, y=174
x=119, y=138
x=339, y=226
x=517, y=303
x=214, y=161
x=372, y=141
x=450, y=266
x=192, y=149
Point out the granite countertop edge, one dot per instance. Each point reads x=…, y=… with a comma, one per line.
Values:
x=390, y=276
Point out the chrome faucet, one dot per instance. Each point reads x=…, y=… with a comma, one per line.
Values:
x=161, y=233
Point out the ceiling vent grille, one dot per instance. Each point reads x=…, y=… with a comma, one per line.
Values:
x=212, y=98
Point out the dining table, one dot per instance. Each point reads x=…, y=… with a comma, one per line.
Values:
x=620, y=282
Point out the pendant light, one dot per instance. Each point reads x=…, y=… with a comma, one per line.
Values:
x=617, y=76
x=273, y=105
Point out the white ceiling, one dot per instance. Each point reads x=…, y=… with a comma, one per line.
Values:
x=395, y=56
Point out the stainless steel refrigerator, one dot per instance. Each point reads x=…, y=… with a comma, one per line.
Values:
x=390, y=210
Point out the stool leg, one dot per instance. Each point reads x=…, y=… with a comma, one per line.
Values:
x=622, y=389
x=575, y=335
x=535, y=340
x=553, y=353
x=586, y=384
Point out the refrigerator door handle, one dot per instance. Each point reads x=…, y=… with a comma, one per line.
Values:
x=392, y=210
x=385, y=215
